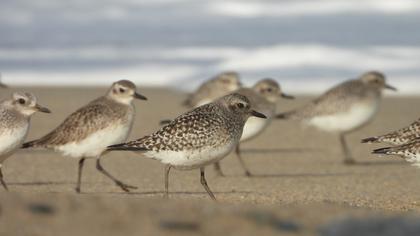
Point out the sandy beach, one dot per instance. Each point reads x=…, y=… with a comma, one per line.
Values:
x=300, y=183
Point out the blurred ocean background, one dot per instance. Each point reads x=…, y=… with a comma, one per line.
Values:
x=307, y=45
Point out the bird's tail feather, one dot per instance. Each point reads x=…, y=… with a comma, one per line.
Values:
x=386, y=151
x=30, y=144
x=126, y=147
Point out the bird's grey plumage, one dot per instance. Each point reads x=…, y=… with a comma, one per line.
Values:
x=409, y=151
x=216, y=87
x=197, y=138
x=399, y=137
x=15, y=116
x=344, y=108
x=88, y=131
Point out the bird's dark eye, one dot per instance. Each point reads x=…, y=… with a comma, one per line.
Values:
x=21, y=101
x=122, y=90
x=269, y=90
x=241, y=105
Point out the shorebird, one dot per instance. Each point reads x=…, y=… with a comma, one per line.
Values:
x=344, y=108
x=15, y=115
x=197, y=138
x=218, y=86
x=409, y=151
x=263, y=97
x=87, y=132
x=399, y=137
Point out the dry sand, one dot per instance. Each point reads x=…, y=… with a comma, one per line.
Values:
x=300, y=183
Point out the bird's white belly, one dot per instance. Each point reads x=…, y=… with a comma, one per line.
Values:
x=357, y=116
x=253, y=127
x=11, y=140
x=95, y=144
x=186, y=160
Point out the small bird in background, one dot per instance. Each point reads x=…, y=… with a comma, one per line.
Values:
x=345, y=108
x=87, y=132
x=218, y=86
x=198, y=138
x=15, y=116
x=263, y=96
x=409, y=151
x=399, y=137
x=2, y=85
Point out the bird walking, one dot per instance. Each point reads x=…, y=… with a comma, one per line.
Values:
x=87, y=132
x=197, y=138
x=15, y=117
x=344, y=108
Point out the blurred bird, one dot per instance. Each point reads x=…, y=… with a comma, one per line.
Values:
x=409, y=151
x=399, y=137
x=87, y=132
x=15, y=115
x=198, y=138
x=263, y=97
x=344, y=108
x=218, y=86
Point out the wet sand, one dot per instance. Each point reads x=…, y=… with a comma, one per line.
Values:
x=299, y=178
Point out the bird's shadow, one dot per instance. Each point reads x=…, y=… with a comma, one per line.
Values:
x=40, y=183
x=377, y=163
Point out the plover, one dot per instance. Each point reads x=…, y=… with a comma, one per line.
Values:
x=345, y=107
x=15, y=115
x=198, y=138
x=399, y=137
x=87, y=132
x=409, y=151
x=263, y=97
x=218, y=86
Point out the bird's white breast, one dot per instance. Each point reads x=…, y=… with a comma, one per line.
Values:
x=96, y=143
x=12, y=139
x=253, y=127
x=358, y=115
x=191, y=159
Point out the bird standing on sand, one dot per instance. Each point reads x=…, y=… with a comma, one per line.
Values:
x=399, y=137
x=87, y=132
x=198, y=138
x=218, y=86
x=344, y=108
x=409, y=151
x=15, y=115
x=263, y=97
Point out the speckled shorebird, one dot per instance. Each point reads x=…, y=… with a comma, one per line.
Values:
x=15, y=115
x=409, y=151
x=344, y=108
x=87, y=132
x=399, y=137
x=218, y=86
x=198, y=138
x=263, y=97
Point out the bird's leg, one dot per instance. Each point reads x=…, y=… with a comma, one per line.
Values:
x=204, y=183
x=218, y=169
x=167, y=170
x=238, y=154
x=122, y=185
x=348, y=159
x=1, y=179
x=79, y=174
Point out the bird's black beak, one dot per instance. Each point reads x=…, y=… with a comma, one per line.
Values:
x=42, y=109
x=387, y=86
x=257, y=114
x=286, y=96
x=139, y=96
